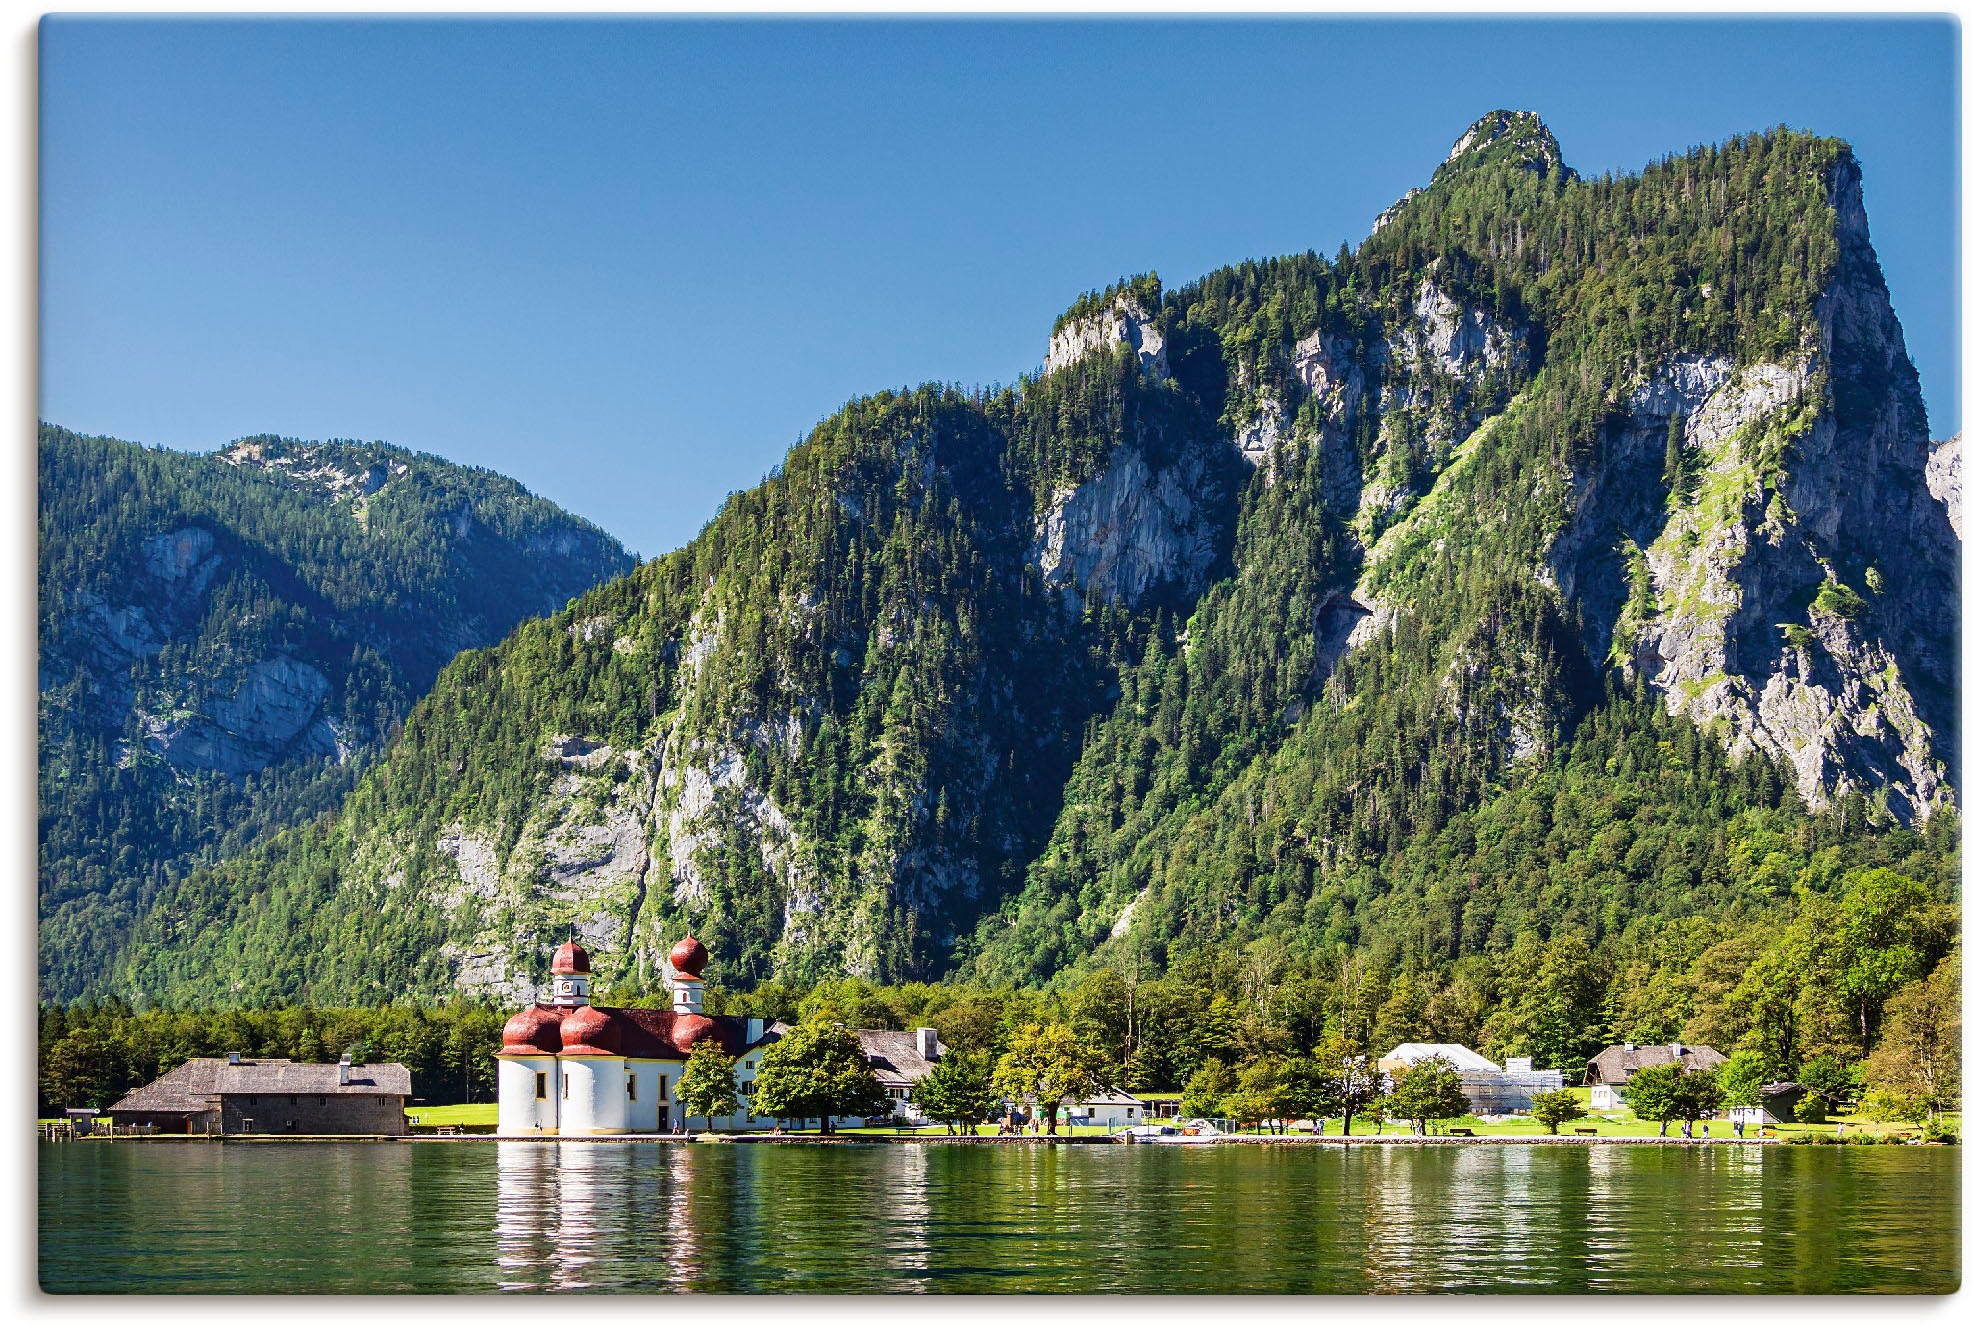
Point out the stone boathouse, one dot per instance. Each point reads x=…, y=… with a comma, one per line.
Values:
x=237, y=1096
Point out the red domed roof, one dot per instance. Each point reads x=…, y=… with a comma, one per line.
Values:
x=688, y=1029
x=689, y=956
x=589, y=1030
x=536, y=1030
x=570, y=959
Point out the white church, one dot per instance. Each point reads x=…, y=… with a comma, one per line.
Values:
x=571, y=1068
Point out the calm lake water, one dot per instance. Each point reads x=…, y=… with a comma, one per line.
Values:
x=331, y=1217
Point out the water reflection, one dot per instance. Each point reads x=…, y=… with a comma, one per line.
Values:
x=570, y=1216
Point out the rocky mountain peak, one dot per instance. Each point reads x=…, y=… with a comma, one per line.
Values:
x=1516, y=137
x=338, y=470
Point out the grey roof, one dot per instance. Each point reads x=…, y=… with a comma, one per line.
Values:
x=894, y=1057
x=184, y=1090
x=1109, y=1096
x=194, y=1085
x=1616, y=1064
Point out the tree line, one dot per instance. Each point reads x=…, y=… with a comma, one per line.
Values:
x=1853, y=992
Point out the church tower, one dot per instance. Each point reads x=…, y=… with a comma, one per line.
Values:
x=569, y=974
x=688, y=960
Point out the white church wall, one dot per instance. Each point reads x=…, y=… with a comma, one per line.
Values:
x=641, y=1115
x=594, y=1101
x=520, y=1111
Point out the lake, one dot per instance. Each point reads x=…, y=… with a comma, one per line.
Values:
x=479, y=1217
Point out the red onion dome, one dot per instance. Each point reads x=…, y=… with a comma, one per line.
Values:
x=589, y=1030
x=570, y=959
x=689, y=956
x=688, y=1029
x=536, y=1030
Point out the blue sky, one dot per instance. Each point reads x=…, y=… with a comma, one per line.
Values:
x=630, y=263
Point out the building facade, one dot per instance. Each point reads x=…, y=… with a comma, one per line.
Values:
x=238, y=1096
x=1611, y=1068
x=1110, y=1107
x=571, y=1068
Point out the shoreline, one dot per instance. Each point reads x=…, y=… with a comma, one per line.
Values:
x=812, y=1139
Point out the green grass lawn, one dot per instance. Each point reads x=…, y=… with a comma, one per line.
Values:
x=486, y=1113
x=1622, y=1123
x=1617, y=1123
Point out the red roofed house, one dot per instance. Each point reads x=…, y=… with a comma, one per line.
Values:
x=573, y=1068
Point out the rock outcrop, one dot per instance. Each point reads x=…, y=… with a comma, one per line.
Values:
x=1128, y=531
x=1124, y=321
x=1942, y=478
x=273, y=713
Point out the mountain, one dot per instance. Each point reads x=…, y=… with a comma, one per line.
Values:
x=1570, y=556
x=226, y=640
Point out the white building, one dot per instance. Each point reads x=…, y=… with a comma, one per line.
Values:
x=1491, y=1088
x=1109, y=1108
x=572, y=1068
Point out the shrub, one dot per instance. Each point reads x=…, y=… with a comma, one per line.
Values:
x=1894, y=1106
x=1838, y=600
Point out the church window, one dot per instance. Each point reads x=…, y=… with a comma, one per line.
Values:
x=664, y=1087
x=565, y=1088
x=630, y=1085
x=541, y=1086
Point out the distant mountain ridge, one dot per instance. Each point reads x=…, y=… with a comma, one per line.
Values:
x=1572, y=555
x=226, y=640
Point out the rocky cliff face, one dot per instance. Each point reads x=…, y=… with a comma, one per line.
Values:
x=1130, y=530
x=1784, y=588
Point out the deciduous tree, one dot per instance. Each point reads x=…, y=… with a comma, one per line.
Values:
x=1428, y=1091
x=958, y=1092
x=1047, y=1066
x=815, y=1071
x=706, y=1086
x=1552, y=1109
x=1919, y=1055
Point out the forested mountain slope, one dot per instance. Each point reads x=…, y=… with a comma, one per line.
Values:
x=1699, y=489
x=226, y=639
x=1563, y=557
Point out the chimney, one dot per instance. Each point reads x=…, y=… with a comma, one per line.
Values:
x=1629, y=1046
x=928, y=1043
x=342, y=1071
x=756, y=1028
x=1678, y=1050
x=233, y=1058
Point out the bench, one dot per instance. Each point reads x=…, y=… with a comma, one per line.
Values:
x=1585, y=1132
x=1459, y=1132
